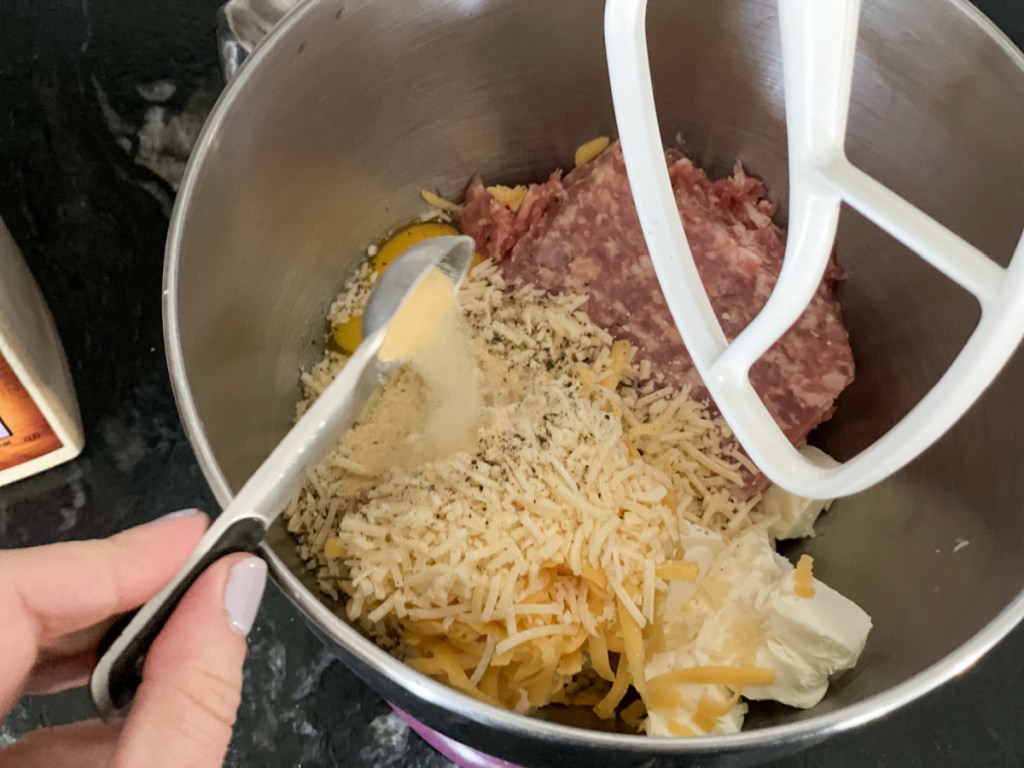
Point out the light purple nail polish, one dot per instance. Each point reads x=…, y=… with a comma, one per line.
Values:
x=179, y=513
x=243, y=593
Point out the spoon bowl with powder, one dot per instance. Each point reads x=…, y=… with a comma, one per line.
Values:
x=406, y=317
x=446, y=257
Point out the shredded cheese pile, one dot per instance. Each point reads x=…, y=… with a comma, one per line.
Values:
x=508, y=570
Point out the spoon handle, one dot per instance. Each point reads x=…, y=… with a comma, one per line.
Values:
x=242, y=524
x=119, y=672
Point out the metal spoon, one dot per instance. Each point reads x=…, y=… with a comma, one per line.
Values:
x=242, y=525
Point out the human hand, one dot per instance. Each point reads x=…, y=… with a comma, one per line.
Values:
x=58, y=601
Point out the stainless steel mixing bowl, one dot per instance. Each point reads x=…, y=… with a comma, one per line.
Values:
x=323, y=140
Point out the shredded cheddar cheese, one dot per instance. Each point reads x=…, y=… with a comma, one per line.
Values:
x=803, y=577
x=434, y=200
x=599, y=657
x=634, y=713
x=632, y=641
x=732, y=677
x=677, y=570
x=619, y=356
x=333, y=548
x=679, y=729
x=708, y=707
x=591, y=149
x=663, y=697
x=510, y=197
x=605, y=708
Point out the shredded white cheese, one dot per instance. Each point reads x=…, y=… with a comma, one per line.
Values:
x=492, y=567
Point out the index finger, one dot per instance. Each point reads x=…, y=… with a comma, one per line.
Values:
x=52, y=591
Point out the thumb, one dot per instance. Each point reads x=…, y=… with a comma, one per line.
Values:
x=192, y=680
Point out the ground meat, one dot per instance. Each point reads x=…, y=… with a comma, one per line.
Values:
x=581, y=234
x=497, y=229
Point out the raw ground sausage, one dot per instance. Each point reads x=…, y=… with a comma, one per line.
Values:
x=581, y=235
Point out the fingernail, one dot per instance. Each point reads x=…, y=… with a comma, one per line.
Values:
x=243, y=593
x=179, y=513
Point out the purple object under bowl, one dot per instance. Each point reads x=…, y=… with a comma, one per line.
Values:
x=461, y=755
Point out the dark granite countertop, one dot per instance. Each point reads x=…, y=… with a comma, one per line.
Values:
x=100, y=101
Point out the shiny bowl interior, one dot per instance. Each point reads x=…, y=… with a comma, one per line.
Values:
x=322, y=141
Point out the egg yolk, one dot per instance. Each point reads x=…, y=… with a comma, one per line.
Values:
x=350, y=333
x=406, y=238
